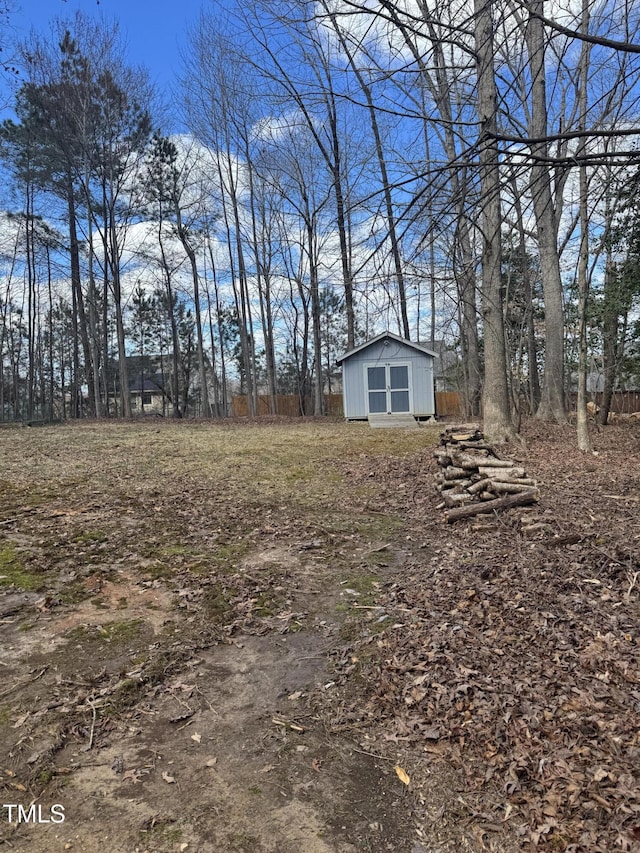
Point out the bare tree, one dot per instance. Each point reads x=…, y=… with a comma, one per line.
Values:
x=367, y=91
x=317, y=104
x=552, y=404
x=497, y=407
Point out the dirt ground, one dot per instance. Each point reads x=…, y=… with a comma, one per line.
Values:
x=265, y=637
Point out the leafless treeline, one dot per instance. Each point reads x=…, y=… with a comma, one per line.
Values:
x=461, y=171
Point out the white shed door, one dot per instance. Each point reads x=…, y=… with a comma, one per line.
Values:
x=388, y=388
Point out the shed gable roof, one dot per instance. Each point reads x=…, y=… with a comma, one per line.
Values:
x=382, y=337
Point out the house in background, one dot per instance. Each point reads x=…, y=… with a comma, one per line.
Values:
x=151, y=386
x=147, y=396
x=388, y=375
x=149, y=376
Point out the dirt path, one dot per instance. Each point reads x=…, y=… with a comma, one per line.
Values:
x=229, y=752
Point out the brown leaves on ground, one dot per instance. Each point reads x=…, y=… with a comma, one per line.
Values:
x=513, y=645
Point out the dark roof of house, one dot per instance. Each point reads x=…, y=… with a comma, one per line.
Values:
x=382, y=337
x=138, y=384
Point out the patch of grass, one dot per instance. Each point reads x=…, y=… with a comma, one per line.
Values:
x=217, y=602
x=381, y=558
x=350, y=630
x=112, y=632
x=82, y=632
x=163, y=830
x=35, y=496
x=123, y=631
x=73, y=593
x=89, y=536
x=365, y=584
x=264, y=605
x=4, y=715
x=297, y=474
x=157, y=571
x=226, y=556
x=175, y=551
x=378, y=525
x=166, y=559
x=363, y=588
x=13, y=571
x=242, y=842
x=45, y=776
x=126, y=695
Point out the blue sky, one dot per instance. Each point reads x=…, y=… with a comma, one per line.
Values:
x=155, y=31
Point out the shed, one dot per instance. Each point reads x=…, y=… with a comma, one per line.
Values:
x=388, y=375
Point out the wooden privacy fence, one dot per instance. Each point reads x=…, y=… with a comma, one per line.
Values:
x=447, y=405
x=285, y=404
x=622, y=402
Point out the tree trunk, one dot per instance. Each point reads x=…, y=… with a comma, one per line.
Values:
x=498, y=425
x=214, y=368
x=114, y=265
x=583, y=259
x=318, y=398
x=532, y=352
x=464, y=259
x=93, y=325
x=263, y=279
x=204, y=391
x=552, y=406
x=240, y=291
x=79, y=319
x=610, y=322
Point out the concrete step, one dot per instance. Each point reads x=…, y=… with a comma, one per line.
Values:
x=397, y=420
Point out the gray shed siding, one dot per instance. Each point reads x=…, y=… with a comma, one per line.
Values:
x=384, y=352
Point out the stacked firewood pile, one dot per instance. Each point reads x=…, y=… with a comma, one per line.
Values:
x=474, y=478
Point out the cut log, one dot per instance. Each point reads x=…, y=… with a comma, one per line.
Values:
x=453, y=484
x=505, y=475
x=480, y=486
x=498, y=463
x=456, y=500
x=509, y=488
x=468, y=427
x=520, y=481
x=522, y=499
x=454, y=488
x=453, y=473
x=461, y=435
x=469, y=460
x=477, y=445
